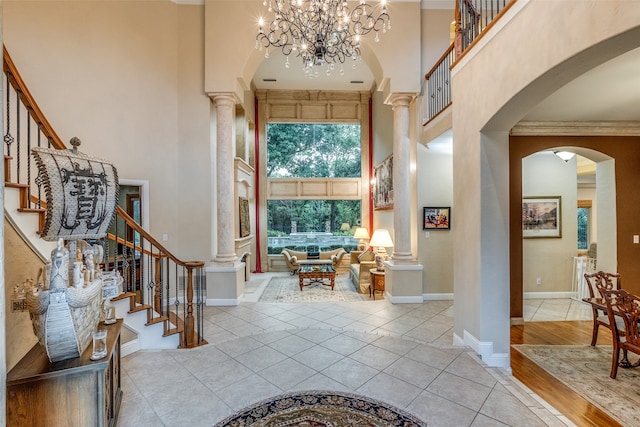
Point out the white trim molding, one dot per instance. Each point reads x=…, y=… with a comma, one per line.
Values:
x=484, y=350
x=437, y=297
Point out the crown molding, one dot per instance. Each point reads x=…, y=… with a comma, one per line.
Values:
x=618, y=128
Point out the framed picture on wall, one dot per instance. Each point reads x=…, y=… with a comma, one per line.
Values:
x=541, y=216
x=245, y=222
x=383, y=185
x=436, y=218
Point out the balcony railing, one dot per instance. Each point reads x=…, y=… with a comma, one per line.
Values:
x=473, y=18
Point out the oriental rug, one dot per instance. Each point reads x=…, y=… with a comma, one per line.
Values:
x=321, y=409
x=287, y=290
x=586, y=370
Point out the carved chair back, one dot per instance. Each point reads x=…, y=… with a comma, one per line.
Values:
x=626, y=306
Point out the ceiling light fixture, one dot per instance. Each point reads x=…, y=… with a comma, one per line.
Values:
x=320, y=31
x=564, y=155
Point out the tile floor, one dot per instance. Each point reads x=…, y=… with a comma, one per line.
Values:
x=401, y=354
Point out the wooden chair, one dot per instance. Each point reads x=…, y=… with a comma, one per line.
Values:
x=598, y=283
x=626, y=306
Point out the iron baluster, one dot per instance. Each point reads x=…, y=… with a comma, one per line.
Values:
x=18, y=136
x=8, y=138
x=28, y=159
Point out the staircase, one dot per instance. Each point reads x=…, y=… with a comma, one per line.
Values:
x=157, y=304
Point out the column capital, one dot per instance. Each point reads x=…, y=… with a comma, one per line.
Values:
x=224, y=98
x=400, y=99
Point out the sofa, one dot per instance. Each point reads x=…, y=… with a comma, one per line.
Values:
x=361, y=263
x=291, y=257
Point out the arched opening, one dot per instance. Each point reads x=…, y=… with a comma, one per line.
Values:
x=554, y=245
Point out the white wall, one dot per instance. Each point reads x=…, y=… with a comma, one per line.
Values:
x=435, y=188
x=127, y=79
x=550, y=259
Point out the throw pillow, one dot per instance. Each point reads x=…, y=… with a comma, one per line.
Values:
x=293, y=259
x=367, y=255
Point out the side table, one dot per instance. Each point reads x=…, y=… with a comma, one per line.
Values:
x=377, y=282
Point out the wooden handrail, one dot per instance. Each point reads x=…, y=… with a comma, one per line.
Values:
x=27, y=99
x=439, y=61
x=189, y=336
x=133, y=224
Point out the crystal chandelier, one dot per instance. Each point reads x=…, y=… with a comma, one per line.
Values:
x=320, y=31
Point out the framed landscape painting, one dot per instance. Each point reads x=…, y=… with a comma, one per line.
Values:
x=436, y=218
x=541, y=217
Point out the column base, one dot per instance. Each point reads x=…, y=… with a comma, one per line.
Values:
x=403, y=282
x=226, y=260
x=225, y=285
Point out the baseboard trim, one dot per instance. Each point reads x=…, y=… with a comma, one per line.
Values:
x=404, y=300
x=548, y=295
x=437, y=297
x=485, y=351
x=222, y=302
x=129, y=347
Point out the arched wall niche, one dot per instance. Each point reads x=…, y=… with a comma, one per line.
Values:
x=617, y=174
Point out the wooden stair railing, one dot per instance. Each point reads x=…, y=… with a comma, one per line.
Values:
x=166, y=283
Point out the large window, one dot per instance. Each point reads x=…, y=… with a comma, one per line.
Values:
x=307, y=150
x=583, y=228
x=312, y=151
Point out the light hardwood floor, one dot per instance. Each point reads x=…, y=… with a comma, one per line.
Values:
x=561, y=397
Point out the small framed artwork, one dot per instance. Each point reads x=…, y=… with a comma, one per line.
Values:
x=541, y=216
x=383, y=185
x=245, y=222
x=437, y=218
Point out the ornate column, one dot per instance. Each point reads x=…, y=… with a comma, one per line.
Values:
x=401, y=179
x=225, y=105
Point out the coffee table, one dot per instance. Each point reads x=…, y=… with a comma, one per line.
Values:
x=317, y=273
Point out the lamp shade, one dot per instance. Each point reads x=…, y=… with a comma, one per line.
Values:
x=345, y=226
x=381, y=238
x=361, y=233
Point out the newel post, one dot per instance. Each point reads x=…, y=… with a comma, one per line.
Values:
x=188, y=337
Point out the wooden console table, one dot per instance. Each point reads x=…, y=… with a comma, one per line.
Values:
x=72, y=392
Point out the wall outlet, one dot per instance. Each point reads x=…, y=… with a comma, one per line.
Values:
x=426, y=235
x=539, y=281
x=636, y=239
x=165, y=237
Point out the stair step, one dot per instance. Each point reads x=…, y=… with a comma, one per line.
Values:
x=157, y=320
x=32, y=210
x=141, y=307
x=172, y=331
x=15, y=185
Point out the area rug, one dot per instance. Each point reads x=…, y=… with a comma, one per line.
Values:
x=321, y=409
x=586, y=370
x=287, y=289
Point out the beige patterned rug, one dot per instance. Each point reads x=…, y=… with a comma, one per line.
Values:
x=586, y=369
x=287, y=289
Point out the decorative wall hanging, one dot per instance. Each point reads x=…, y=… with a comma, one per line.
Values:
x=541, y=217
x=81, y=194
x=245, y=221
x=383, y=185
x=436, y=218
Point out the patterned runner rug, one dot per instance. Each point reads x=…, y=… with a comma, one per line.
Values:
x=586, y=370
x=287, y=289
x=321, y=409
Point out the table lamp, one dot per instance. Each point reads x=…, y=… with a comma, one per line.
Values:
x=362, y=234
x=345, y=226
x=381, y=240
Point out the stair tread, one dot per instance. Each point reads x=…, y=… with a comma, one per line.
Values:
x=141, y=307
x=123, y=295
x=32, y=210
x=15, y=185
x=157, y=320
x=172, y=331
